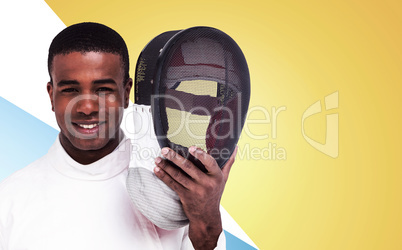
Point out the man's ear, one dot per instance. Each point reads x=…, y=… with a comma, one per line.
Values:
x=49, y=87
x=127, y=89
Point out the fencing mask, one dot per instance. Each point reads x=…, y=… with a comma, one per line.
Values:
x=192, y=87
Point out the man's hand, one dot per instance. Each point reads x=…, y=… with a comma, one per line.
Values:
x=199, y=192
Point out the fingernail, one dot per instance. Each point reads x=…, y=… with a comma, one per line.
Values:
x=158, y=160
x=165, y=151
x=157, y=169
x=192, y=149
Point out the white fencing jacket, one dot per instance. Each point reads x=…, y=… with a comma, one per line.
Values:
x=57, y=203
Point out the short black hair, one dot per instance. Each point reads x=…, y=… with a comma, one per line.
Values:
x=89, y=37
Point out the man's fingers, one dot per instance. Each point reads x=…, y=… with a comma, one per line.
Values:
x=207, y=160
x=160, y=171
x=228, y=165
x=186, y=165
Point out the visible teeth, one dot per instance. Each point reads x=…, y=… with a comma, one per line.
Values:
x=88, y=126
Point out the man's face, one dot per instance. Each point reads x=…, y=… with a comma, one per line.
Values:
x=88, y=96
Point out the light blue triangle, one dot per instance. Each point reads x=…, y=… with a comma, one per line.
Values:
x=234, y=243
x=23, y=138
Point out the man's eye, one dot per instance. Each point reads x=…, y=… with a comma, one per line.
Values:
x=104, y=89
x=69, y=90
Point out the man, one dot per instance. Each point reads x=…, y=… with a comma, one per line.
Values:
x=75, y=197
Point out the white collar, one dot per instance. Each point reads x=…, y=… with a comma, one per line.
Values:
x=103, y=169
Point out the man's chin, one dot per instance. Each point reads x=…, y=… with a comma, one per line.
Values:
x=90, y=144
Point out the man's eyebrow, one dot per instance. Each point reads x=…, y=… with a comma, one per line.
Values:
x=67, y=82
x=108, y=80
x=75, y=82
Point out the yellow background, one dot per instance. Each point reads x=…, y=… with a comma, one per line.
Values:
x=299, y=52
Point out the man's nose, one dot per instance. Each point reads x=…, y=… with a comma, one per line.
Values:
x=88, y=104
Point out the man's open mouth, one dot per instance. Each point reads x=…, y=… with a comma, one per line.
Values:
x=88, y=127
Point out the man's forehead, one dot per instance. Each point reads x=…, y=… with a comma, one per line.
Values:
x=85, y=54
x=73, y=62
